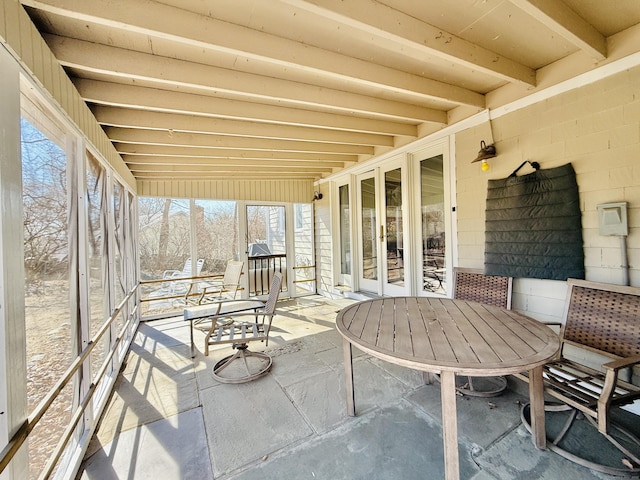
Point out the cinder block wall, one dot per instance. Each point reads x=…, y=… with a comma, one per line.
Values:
x=596, y=128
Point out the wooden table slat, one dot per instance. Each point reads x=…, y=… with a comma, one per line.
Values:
x=491, y=348
x=386, y=330
x=372, y=322
x=458, y=332
x=417, y=325
x=441, y=349
x=357, y=319
x=403, y=344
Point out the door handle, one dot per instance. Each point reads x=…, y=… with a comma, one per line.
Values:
x=381, y=232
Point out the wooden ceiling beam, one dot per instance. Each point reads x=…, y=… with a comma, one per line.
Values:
x=381, y=20
x=158, y=20
x=124, y=117
x=127, y=65
x=115, y=94
x=558, y=17
x=138, y=136
x=159, y=152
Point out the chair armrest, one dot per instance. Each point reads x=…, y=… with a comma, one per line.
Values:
x=622, y=363
x=170, y=273
x=216, y=283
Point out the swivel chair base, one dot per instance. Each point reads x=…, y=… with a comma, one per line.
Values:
x=243, y=366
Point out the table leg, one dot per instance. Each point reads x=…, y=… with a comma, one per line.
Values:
x=348, y=377
x=449, y=425
x=536, y=399
x=428, y=378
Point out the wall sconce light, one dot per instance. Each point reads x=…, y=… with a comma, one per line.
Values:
x=486, y=152
x=317, y=196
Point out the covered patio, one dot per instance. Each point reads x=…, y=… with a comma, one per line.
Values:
x=336, y=142
x=168, y=418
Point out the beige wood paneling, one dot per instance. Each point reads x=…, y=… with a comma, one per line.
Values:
x=294, y=191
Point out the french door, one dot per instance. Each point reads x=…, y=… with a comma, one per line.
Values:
x=381, y=210
x=368, y=227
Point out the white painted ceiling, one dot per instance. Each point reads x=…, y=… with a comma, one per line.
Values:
x=197, y=89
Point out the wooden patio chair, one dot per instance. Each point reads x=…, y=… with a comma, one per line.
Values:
x=239, y=330
x=474, y=285
x=603, y=319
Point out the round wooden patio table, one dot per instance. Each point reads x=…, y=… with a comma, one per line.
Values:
x=450, y=337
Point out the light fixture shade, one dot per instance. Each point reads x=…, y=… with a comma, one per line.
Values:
x=486, y=151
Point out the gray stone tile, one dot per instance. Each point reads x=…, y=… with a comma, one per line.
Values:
x=374, y=387
x=297, y=366
x=480, y=420
x=246, y=421
x=515, y=456
x=321, y=399
x=411, y=378
x=171, y=448
x=397, y=442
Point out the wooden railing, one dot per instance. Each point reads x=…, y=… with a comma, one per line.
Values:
x=21, y=435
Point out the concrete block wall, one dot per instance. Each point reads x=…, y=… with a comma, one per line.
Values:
x=596, y=128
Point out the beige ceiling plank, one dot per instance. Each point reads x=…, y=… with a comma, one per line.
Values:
x=177, y=25
x=558, y=17
x=123, y=117
x=115, y=94
x=130, y=65
x=195, y=152
x=383, y=21
x=137, y=136
x=263, y=174
x=139, y=160
x=180, y=168
x=224, y=175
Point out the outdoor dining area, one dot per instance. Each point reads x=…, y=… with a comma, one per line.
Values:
x=366, y=389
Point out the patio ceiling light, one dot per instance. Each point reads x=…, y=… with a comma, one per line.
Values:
x=486, y=152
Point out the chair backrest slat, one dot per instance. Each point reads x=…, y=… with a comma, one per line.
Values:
x=274, y=293
x=474, y=285
x=603, y=317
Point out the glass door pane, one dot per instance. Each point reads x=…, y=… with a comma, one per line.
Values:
x=432, y=207
x=393, y=227
x=345, y=236
x=368, y=233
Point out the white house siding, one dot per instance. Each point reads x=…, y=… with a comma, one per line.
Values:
x=324, y=249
